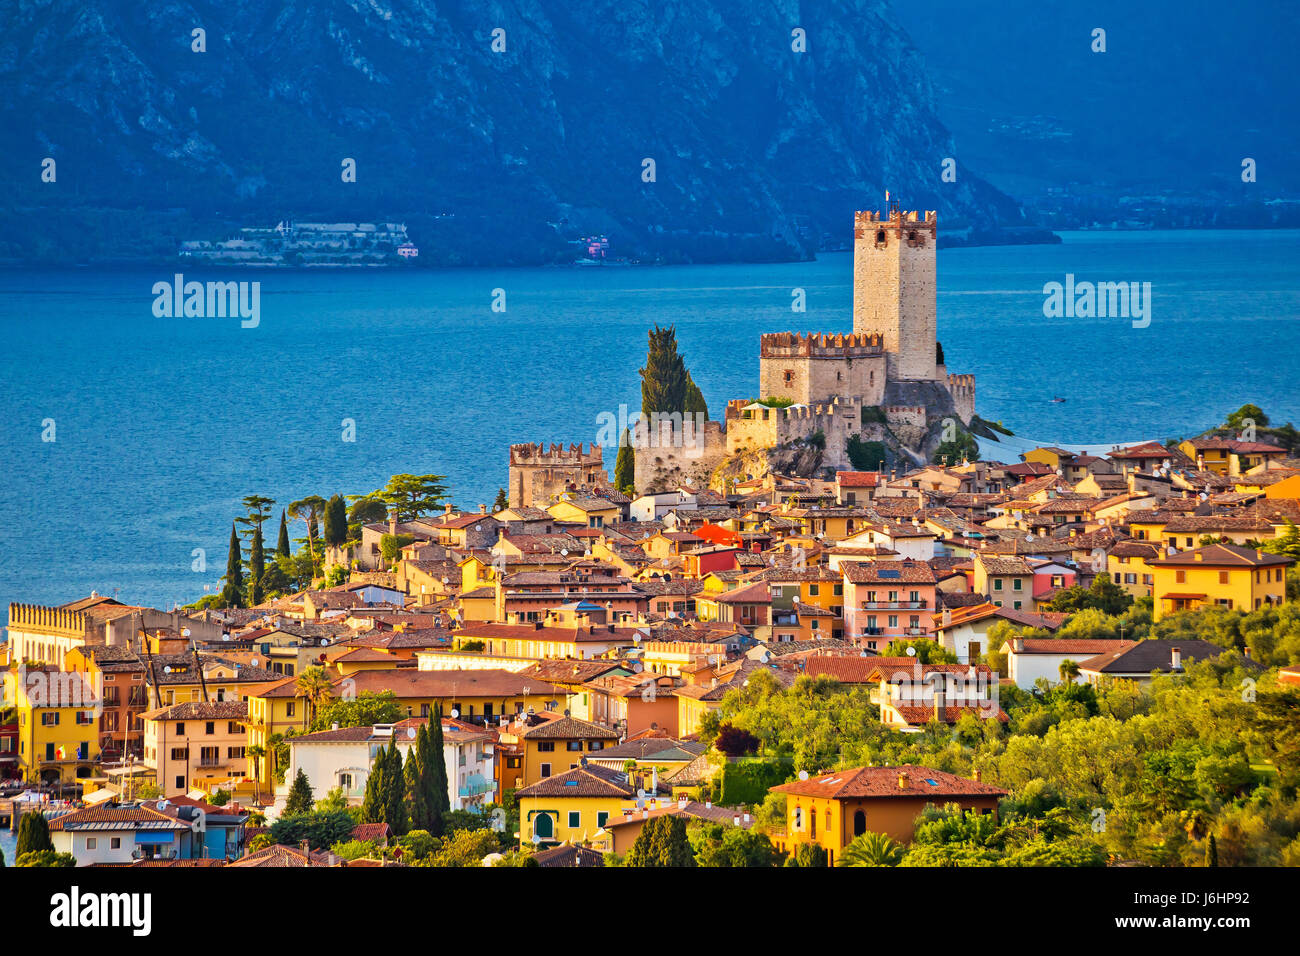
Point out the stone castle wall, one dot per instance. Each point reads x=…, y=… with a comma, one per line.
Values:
x=812, y=368
x=677, y=454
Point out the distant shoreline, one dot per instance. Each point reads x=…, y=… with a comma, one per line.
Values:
x=953, y=241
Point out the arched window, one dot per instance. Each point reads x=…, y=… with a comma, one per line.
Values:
x=812, y=824
x=828, y=821
x=798, y=818
x=544, y=826
x=859, y=823
x=880, y=235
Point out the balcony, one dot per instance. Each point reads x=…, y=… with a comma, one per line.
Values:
x=893, y=605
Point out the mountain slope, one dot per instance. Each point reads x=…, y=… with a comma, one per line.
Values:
x=757, y=148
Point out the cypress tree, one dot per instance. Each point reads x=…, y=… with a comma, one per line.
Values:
x=395, y=792
x=417, y=807
x=33, y=834
x=502, y=502
x=1212, y=852
x=625, y=467
x=695, y=399
x=439, y=799
x=233, y=593
x=256, y=567
x=373, y=803
x=336, y=521
x=282, y=542
x=664, y=378
x=299, y=799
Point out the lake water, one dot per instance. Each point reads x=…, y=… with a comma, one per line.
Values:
x=162, y=425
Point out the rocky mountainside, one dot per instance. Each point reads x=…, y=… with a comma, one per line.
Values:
x=759, y=150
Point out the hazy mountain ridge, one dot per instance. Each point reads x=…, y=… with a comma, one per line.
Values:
x=758, y=149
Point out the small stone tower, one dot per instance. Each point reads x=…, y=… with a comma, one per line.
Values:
x=894, y=288
x=538, y=474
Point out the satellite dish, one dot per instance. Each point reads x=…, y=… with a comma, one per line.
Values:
x=803, y=774
x=536, y=840
x=185, y=632
x=254, y=662
x=911, y=652
x=225, y=637
x=564, y=551
x=455, y=713
x=167, y=669
x=478, y=527
x=324, y=642
x=410, y=731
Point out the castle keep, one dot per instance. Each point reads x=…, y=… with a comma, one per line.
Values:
x=887, y=375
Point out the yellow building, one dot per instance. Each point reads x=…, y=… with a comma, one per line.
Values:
x=58, y=721
x=547, y=745
x=273, y=711
x=592, y=512
x=832, y=808
x=1229, y=456
x=1127, y=564
x=572, y=806
x=1220, y=575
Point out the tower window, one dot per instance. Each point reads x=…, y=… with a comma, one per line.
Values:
x=880, y=235
x=789, y=376
x=912, y=235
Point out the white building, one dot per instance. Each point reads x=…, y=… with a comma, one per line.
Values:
x=343, y=757
x=1030, y=659
x=653, y=507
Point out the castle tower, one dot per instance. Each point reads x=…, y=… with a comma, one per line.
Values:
x=894, y=288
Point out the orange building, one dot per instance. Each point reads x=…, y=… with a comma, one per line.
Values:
x=832, y=808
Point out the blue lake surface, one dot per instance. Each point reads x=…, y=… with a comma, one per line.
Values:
x=162, y=425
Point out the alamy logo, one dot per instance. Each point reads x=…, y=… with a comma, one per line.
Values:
x=76, y=909
x=1128, y=300
x=212, y=300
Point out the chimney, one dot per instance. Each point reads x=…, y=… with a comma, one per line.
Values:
x=334, y=726
x=1176, y=658
x=947, y=617
x=1247, y=652
x=1198, y=556
x=979, y=775
x=735, y=821
x=1018, y=645
x=939, y=701
x=392, y=524
x=903, y=781
x=482, y=509
x=447, y=512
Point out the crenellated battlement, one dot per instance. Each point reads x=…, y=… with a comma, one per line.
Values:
x=896, y=217
x=833, y=345
x=556, y=454
x=46, y=620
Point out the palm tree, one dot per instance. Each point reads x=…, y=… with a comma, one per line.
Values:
x=315, y=686
x=255, y=753
x=871, y=849
x=309, y=510
x=1069, y=671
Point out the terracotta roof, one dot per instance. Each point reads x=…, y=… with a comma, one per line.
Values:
x=1080, y=646
x=884, y=782
x=569, y=728
x=200, y=710
x=1223, y=555
x=589, y=781
x=886, y=572
x=405, y=682
x=1143, y=657
x=569, y=855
